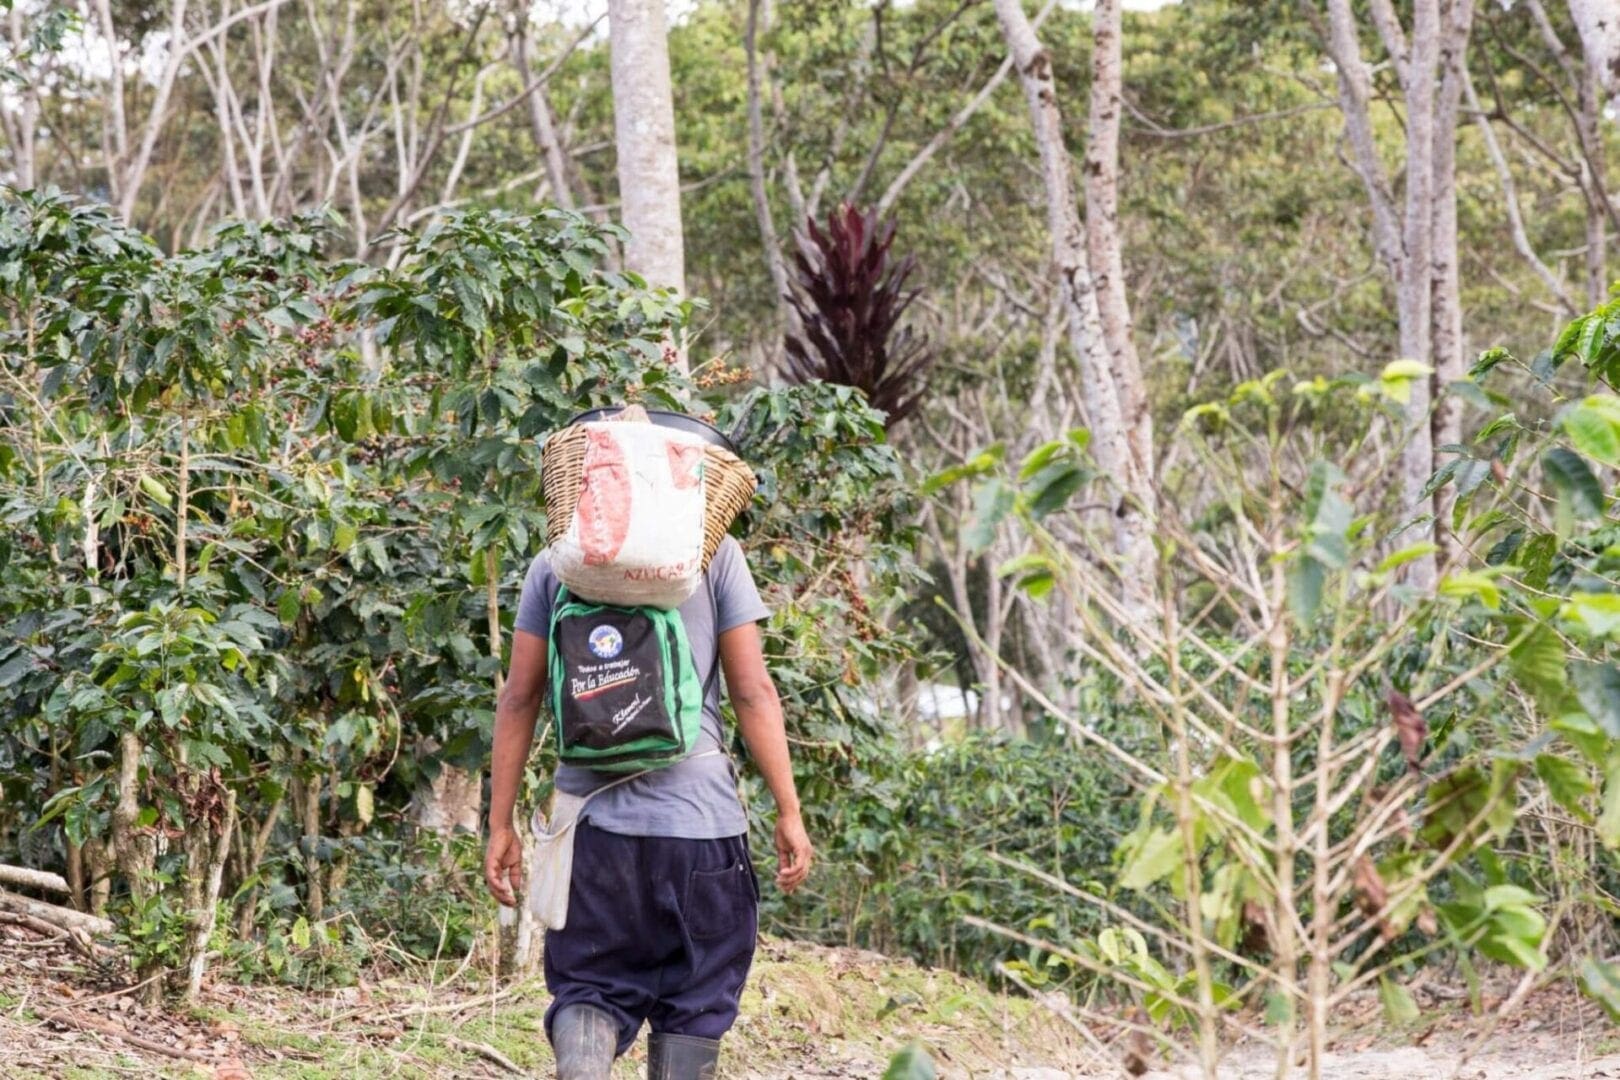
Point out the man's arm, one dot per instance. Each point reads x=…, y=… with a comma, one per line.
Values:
x=759, y=718
x=514, y=735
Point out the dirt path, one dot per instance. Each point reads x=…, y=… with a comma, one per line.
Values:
x=1554, y=1061
x=1554, y=1035
x=809, y=1014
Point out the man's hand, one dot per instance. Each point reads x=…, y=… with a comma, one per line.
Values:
x=503, y=865
x=793, y=852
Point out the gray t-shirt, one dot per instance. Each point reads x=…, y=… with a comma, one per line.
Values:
x=694, y=799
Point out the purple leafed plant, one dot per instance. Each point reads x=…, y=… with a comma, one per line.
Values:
x=850, y=298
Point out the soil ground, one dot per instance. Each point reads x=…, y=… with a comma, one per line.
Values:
x=809, y=1012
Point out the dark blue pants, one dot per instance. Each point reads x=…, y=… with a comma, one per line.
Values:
x=659, y=929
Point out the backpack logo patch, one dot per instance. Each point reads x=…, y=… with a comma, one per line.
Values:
x=606, y=642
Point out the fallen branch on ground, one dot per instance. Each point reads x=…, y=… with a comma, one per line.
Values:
x=77, y=938
x=38, y=926
x=43, y=880
x=66, y=918
x=484, y=1050
x=421, y=1010
x=83, y=1023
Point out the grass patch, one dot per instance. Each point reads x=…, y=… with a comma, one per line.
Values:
x=804, y=1006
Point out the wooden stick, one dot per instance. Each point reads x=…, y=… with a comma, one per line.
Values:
x=23, y=877
x=85, y=1024
x=78, y=939
x=38, y=926
x=66, y=918
x=421, y=1010
x=484, y=1050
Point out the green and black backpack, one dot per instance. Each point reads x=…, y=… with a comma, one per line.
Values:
x=625, y=693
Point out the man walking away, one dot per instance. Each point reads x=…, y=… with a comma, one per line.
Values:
x=663, y=907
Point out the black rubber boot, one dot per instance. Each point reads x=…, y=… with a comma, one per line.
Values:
x=585, y=1040
x=681, y=1057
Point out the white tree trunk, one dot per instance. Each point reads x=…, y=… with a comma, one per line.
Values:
x=22, y=127
x=1450, y=364
x=1407, y=237
x=1598, y=22
x=1591, y=98
x=759, y=21
x=541, y=121
x=1110, y=443
x=1414, y=286
x=644, y=128
x=1103, y=244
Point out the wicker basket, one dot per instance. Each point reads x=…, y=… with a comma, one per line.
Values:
x=728, y=486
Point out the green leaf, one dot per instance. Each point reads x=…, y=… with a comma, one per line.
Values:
x=1567, y=783
x=1306, y=577
x=1152, y=860
x=1520, y=952
x=1038, y=458
x=1474, y=584
x=1054, y=486
x=1584, y=734
x=280, y=316
x=991, y=503
x=1399, y=1008
x=288, y=607
x=1608, y=826
x=978, y=465
x=1488, y=359
x=1599, y=613
x=1537, y=661
x=1593, y=426
x=1600, y=981
x=155, y=489
x=911, y=1063
x=1597, y=688
x=1024, y=563
x=1498, y=897
x=1590, y=343
x=1573, y=479
x=1407, y=554
x=1395, y=381
x=1039, y=584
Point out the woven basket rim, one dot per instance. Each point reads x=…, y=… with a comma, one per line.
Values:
x=665, y=418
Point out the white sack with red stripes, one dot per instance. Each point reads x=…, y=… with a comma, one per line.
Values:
x=636, y=537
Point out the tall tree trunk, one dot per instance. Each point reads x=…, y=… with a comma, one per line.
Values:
x=1406, y=237
x=759, y=21
x=134, y=848
x=1598, y=22
x=22, y=128
x=1110, y=443
x=644, y=128
x=306, y=795
x=205, y=866
x=1414, y=284
x=1445, y=285
x=541, y=122
x=1591, y=98
x=1103, y=244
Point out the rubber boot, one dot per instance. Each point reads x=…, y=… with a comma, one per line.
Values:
x=584, y=1040
x=681, y=1057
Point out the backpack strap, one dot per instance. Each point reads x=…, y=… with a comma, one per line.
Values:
x=714, y=613
x=543, y=827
